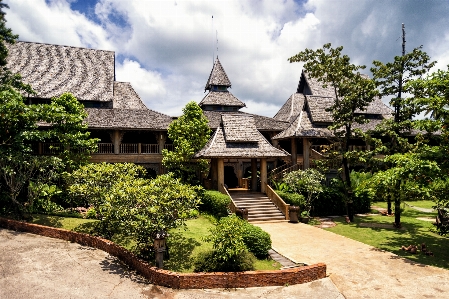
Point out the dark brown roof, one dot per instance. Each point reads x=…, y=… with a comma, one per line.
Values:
x=302, y=126
x=125, y=97
x=317, y=106
x=257, y=146
x=290, y=110
x=221, y=98
x=53, y=69
x=217, y=76
x=316, y=87
x=263, y=123
x=140, y=119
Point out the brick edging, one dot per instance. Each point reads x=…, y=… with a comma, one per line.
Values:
x=173, y=279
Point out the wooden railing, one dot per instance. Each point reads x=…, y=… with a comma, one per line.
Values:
x=278, y=202
x=169, y=147
x=150, y=148
x=129, y=148
x=278, y=173
x=105, y=148
x=232, y=205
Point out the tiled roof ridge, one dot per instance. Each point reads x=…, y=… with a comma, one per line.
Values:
x=76, y=47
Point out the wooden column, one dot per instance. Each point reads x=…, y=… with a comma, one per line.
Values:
x=253, y=174
x=294, y=151
x=220, y=170
x=306, y=153
x=214, y=173
x=161, y=138
x=116, y=140
x=263, y=174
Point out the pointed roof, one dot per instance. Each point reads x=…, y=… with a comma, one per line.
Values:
x=291, y=109
x=221, y=98
x=237, y=137
x=217, y=76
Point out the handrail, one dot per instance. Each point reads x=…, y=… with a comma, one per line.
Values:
x=232, y=205
x=286, y=170
x=278, y=201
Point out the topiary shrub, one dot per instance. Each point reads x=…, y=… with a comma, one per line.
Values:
x=256, y=240
x=215, y=202
x=211, y=262
x=294, y=199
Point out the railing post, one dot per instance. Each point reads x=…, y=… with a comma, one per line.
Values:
x=139, y=148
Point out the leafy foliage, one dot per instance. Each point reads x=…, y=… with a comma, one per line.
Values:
x=353, y=92
x=189, y=133
x=210, y=262
x=130, y=206
x=307, y=182
x=256, y=240
x=216, y=203
x=294, y=199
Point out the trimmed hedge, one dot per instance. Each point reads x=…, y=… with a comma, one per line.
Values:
x=294, y=199
x=256, y=240
x=209, y=262
x=215, y=203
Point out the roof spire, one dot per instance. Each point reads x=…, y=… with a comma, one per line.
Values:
x=217, y=76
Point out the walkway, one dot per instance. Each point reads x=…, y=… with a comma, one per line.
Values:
x=358, y=270
x=32, y=266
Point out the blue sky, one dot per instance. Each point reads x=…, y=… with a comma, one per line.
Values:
x=165, y=48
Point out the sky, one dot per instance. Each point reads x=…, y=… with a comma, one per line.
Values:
x=166, y=48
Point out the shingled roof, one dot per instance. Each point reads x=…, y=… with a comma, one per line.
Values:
x=141, y=119
x=221, y=98
x=237, y=137
x=303, y=126
x=217, y=76
x=52, y=70
x=290, y=110
x=263, y=123
x=125, y=97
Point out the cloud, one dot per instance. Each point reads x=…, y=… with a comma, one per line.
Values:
x=171, y=44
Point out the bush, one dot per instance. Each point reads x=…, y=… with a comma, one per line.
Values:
x=294, y=199
x=256, y=240
x=211, y=262
x=216, y=203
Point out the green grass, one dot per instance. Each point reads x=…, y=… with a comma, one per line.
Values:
x=427, y=204
x=390, y=239
x=185, y=243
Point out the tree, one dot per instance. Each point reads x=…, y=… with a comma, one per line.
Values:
x=353, y=92
x=129, y=205
x=189, y=133
x=306, y=181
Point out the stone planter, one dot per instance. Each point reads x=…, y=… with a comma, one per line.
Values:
x=242, y=213
x=293, y=212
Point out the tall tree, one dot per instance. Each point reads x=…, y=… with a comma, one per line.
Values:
x=189, y=133
x=353, y=92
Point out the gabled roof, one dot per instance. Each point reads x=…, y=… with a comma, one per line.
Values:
x=217, y=76
x=125, y=97
x=239, y=128
x=142, y=119
x=315, y=87
x=52, y=70
x=290, y=110
x=317, y=106
x=221, y=98
x=256, y=146
x=302, y=126
x=263, y=123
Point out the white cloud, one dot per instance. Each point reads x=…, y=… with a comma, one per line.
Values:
x=167, y=46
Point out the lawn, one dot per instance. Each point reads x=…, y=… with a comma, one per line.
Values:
x=185, y=243
x=427, y=204
x=388, y=238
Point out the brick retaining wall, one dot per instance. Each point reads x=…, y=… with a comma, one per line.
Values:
x=174, y=279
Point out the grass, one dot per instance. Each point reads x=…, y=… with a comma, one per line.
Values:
x=390, y=239
x=427, y=204
x=185, y=243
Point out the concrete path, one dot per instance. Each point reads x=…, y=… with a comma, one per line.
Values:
x=358, y=270
x=32, y=266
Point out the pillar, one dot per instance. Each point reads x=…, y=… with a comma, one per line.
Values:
x=220, y=175
x=214, y=173
x=254, y=174
x=161, y=141
x=263, y=174
x=306, y=153
x=116, y=140
x=294, y=151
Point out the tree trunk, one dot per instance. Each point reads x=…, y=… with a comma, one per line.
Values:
x=389, y=211
x=397, y=212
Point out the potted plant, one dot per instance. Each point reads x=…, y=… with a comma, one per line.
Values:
x=305, y=216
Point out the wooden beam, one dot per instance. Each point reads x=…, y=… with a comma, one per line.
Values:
x=263, y=175
x=220, y=170
x=254, y=174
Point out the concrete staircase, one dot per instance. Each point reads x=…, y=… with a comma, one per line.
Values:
x=259, y=206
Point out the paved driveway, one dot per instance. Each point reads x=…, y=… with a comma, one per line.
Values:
x=358, y=270
x=33, y=266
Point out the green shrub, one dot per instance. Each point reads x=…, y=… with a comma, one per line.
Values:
x=216, y=203
x=211, y=262
x=256, y=240
x=294, y=199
